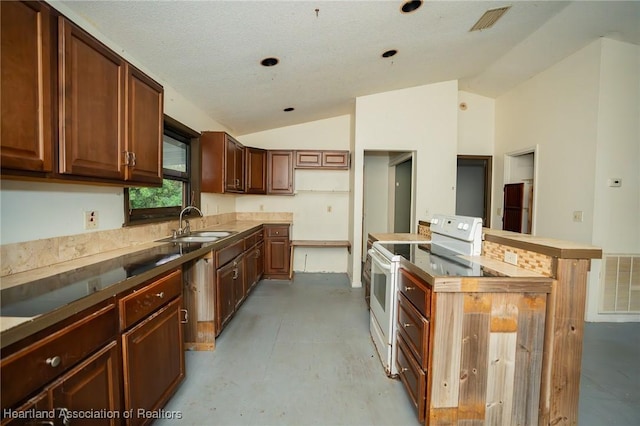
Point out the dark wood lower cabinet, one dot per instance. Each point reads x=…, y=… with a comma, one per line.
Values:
x=93, y=386
x=153, y=362
x=229, y=280
x=277, y=248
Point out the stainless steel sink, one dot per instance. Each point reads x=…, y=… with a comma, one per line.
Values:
x=219, y=234
x=199, y=237
x=191, y=239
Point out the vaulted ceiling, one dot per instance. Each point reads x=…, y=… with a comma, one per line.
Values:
x=330, y=52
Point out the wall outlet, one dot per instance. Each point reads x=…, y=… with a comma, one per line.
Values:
x=511, y=257
x=91, y=219
x=329, y=209
x=577, y=215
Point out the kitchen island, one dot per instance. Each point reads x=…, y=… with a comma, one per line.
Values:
x=495, y=350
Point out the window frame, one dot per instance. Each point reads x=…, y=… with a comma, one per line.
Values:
x=191, y=193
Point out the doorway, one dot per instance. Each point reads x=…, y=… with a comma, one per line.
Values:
x=387, y=207
x=402, y=199
x=520, y=170
x=473, y=187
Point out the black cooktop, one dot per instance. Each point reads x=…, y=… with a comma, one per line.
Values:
x=45, y=295
x=436, y=263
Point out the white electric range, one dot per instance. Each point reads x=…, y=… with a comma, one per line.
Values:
x=450, y=236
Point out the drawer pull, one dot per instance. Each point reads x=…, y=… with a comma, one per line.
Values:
x=54, y=361
x=160, y=295
x=235, y=273
x=403, y=369
x=406, y=324
x=409, y=288
x=186, y=316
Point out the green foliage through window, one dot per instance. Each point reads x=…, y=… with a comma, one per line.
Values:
x=169, y=195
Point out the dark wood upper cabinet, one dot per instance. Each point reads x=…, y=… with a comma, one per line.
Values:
x=92, y=109
x=329, y=160
x=28, y=86
x=256, y=170
x=144, y=137
x=223, y=163
x=279, y=172
x=110, y=124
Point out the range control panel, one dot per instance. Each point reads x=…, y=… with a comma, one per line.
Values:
x=451, y=230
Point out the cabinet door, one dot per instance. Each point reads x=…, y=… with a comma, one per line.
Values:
x=239, y=282
x=256, y=169
x=254, y=266
x=277, y=256
x=280, y=172
x=234, y=167
x=92, y=119
x=260, y=261
x=92, y=386
x=225, y=279
x=144, y=138
x=153, y=360
x=39, y=403
x=308, y=159
x=335, y=159
x=27, y=86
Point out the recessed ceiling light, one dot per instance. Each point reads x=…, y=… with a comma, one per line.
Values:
x=269, y=62
x=288, y=109
x=389, y=53
x=410, y=6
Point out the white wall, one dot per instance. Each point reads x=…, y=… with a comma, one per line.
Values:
x=583, y=113
x=556, y=110
x=376, y=194
x=421, y=119
x=616, y=210
x=476, y=124
x=320, y=205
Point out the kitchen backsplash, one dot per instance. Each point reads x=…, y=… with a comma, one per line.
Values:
x=25, y=256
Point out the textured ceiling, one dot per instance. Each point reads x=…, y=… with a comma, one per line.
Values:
x=330, y=51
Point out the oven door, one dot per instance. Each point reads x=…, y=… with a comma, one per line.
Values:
x=383, y=272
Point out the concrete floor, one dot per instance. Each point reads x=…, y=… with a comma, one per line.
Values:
x=299, y=353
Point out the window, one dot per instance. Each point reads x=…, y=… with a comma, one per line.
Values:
x=144, y=205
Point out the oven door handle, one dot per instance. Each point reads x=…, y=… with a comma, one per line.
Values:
x=380, y=261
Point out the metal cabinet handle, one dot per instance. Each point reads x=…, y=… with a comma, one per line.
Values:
x=257, y=253
x=54, y=361
x=409, y=288
x=186, y=316
x=133, y=159
x=403, y=369
x=406, y=324
x=160, y=295
x=235, y=273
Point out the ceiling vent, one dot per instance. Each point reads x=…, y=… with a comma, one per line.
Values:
x=489, y=18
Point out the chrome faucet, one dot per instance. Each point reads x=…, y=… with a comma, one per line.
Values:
x=186, y=230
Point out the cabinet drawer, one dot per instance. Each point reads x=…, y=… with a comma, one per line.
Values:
x=277, y=231
x=253, y=239
x=416, y=290
x=229, y=253
x=31, y=368
x=413, y=377
x=143, y=302
x=415, y=330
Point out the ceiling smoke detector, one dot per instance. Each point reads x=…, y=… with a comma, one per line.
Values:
x=489, y=18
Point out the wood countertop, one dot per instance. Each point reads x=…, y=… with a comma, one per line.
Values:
x=550, y=246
